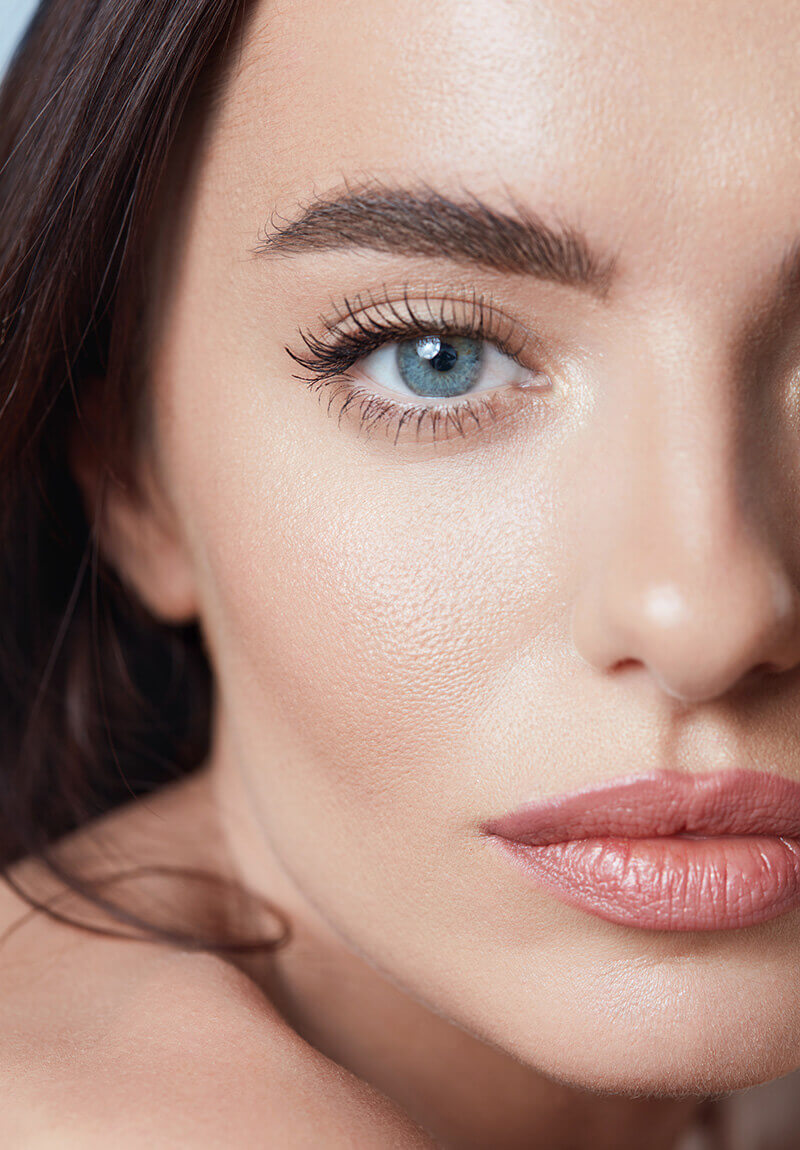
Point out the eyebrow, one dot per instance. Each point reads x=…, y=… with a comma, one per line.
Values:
x=426, y=223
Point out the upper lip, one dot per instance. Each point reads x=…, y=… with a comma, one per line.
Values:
x=732, y=802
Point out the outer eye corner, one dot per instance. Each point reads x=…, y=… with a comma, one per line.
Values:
x=535, y=380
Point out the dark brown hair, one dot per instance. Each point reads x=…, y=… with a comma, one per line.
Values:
x=99, y=701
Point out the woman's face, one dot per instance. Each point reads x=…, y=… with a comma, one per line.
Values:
x=418, y=622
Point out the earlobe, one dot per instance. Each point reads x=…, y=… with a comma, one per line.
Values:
x=137, y=532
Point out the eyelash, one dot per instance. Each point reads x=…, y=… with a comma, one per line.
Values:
x=379, y=322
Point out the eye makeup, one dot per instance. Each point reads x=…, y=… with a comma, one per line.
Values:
x=336, y=362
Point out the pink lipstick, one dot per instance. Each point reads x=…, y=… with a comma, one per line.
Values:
x=666, y=850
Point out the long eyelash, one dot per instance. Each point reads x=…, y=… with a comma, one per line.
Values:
x=360, y=327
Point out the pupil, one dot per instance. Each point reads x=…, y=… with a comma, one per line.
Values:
x=445, y=359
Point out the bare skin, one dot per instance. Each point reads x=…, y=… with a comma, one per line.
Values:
x=410, y=634
x=164, y=1047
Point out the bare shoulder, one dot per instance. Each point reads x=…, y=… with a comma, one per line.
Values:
x=196, y=1056
x=109, y=1041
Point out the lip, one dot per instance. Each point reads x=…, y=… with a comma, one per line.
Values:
x=618, y=850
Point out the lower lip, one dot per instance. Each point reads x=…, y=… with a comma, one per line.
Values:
x=670, y=883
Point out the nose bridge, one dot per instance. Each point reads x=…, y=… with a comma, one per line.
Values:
x=683, y=574
x=686, y=508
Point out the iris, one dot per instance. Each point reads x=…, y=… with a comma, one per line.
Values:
x=432, y=366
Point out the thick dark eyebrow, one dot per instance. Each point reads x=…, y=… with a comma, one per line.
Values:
x=427, y=223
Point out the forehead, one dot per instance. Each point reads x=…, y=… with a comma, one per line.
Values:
x=647, y=123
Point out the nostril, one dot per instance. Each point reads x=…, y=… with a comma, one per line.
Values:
x=761, y=671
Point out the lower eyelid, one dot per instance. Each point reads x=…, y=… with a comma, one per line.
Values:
x=476, y=418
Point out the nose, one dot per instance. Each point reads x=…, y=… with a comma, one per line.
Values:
x=683, y=573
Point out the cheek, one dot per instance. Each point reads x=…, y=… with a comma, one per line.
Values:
x=379, y=609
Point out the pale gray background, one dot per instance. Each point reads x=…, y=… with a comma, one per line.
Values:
x=14, y=15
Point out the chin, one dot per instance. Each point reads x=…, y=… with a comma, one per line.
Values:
x=676, y=1028
x=682, y=1043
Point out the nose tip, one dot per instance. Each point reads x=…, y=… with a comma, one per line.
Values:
x=699, y=632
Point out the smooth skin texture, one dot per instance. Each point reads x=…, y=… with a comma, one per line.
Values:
x=412, y=637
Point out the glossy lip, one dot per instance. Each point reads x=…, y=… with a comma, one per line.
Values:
x=618, y=849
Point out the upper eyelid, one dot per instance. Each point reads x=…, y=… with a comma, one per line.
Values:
x=502, y=327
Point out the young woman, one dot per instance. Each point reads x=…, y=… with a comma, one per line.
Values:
x=400, y=618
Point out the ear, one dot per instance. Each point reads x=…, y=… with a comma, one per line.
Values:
x=137, y=529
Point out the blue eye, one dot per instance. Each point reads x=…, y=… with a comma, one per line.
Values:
x=440, y=366
x=436, y=367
